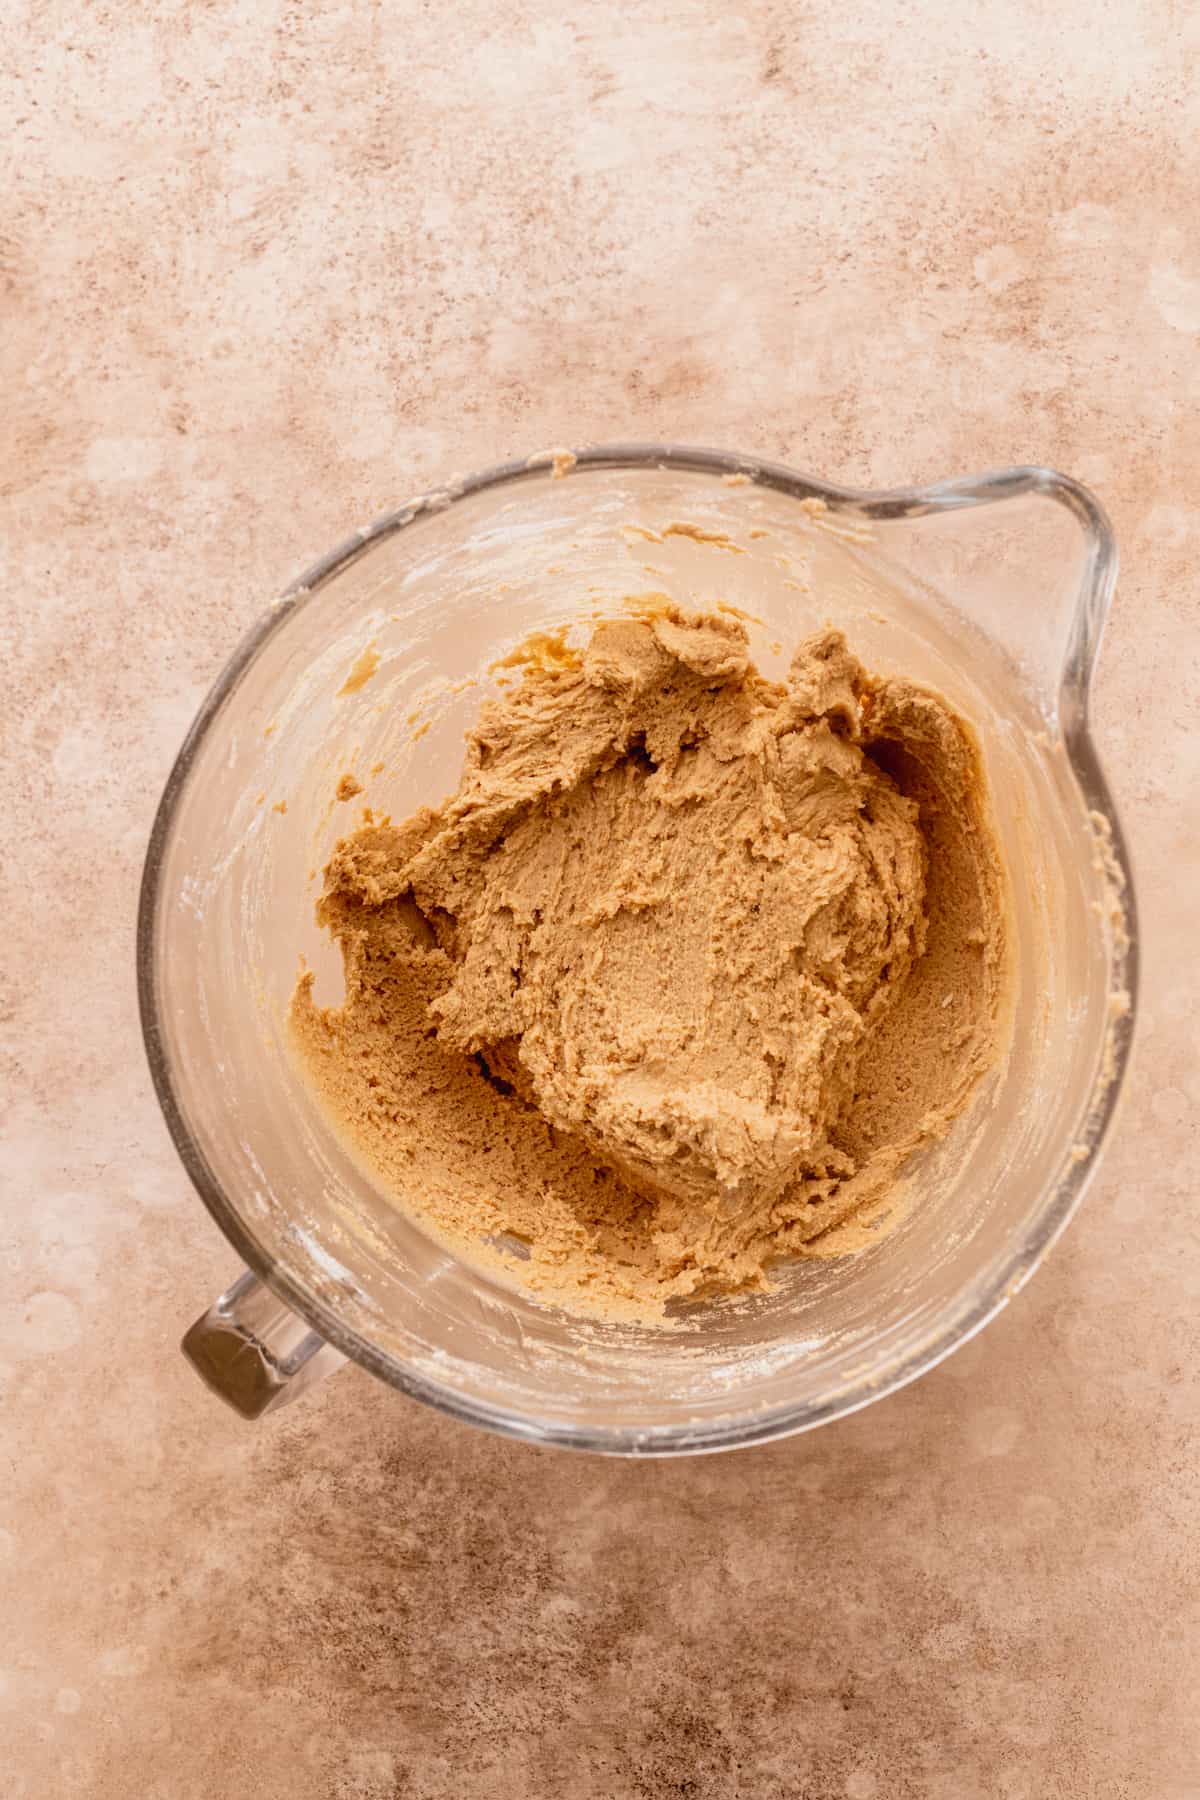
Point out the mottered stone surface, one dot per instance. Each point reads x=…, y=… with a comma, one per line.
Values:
x=265, y=269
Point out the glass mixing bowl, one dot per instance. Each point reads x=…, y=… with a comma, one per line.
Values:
x=992, y=588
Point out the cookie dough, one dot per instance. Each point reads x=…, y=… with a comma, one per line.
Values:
x=684, y=972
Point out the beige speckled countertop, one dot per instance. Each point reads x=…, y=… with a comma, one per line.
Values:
x=266, y=268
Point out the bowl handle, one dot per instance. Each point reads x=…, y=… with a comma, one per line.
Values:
x=255, y=1353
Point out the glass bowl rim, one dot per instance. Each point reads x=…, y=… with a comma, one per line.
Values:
x=961, y=1322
